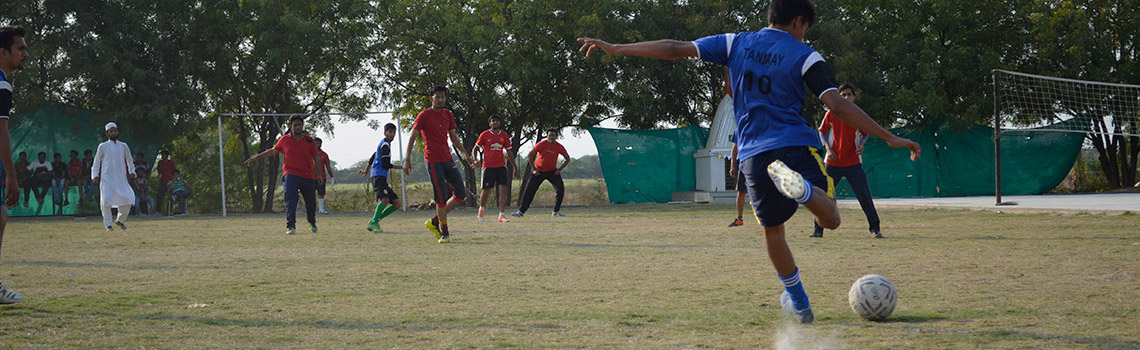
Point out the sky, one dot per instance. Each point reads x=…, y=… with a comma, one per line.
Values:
x=352, y=142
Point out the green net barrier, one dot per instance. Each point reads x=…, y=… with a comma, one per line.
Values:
x=647, y=166
x=60, y=129
x=961, y=163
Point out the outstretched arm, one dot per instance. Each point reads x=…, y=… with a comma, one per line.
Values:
x=659, y=49
x=854, y=116
x=268, y=153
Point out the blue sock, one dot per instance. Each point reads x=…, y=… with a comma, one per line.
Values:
x=795, y=289
x=808, y=191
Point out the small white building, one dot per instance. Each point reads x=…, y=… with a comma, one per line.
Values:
x=713, y=161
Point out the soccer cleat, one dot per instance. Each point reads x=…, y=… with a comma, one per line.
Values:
x=876, y=234
x=517, y=214
x=109, y=229
x=558, y=214
x=374, y=227
x=445, y=239
x=816, y=234
x=802, y=316
x=7, y=296
x=121, y=225
x=291, y=231
x=503, y=219
x=481, y=212
x=434, y=229
x=313, y=227
x=789, y=182
x=736, y=222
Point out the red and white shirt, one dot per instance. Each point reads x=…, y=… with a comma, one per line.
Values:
x=493, y=145
x=842, y=139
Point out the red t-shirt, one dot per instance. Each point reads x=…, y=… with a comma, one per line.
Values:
x=547, y=159
x=435, y=127
x=298, y=155
x=324, y=162
x=75, y=168
x=165, y=171
x=493, y=145
x=842, y=140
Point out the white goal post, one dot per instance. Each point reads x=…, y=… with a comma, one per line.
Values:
x=222, y=154
x=1037, y=103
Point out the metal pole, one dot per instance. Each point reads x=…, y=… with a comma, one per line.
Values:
x=400, y=141
x=997, y=142
x=222, y=165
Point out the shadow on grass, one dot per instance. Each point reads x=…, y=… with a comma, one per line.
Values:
x=914, y=318
x=328, y=324
x=1092, y=342
x=122, y=266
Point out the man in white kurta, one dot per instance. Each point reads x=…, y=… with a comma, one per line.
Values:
x=111, y=170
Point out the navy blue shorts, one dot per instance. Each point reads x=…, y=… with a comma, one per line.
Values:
x=772, y=208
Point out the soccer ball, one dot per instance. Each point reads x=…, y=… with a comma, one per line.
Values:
x=872, y=297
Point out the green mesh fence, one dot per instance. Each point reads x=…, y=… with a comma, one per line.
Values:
x=60, y=130
x=962, y=163
x=647, y=166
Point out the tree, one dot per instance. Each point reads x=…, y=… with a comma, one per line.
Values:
x=293, y=56
x=1095, y=40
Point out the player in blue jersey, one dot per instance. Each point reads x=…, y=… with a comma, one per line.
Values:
x=13, y=53
x=778, y=150
x=378, y=168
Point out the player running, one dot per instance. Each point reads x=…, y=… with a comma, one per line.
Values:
x=779, y=151
x=496, y=146
x=378, y=168
x=437, y=125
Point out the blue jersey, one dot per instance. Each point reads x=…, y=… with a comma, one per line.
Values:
x=382, y=160
x=767, y=71
x=5, y=96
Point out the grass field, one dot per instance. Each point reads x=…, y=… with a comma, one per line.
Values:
x=624, y=277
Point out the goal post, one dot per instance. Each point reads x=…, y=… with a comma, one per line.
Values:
x=222, y=154
x=1036, y=103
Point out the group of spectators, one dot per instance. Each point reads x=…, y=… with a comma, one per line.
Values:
x=39, y=176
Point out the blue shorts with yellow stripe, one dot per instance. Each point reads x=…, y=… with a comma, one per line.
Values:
x=772, y=208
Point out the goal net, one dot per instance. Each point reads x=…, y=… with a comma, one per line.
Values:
x=1029, y=104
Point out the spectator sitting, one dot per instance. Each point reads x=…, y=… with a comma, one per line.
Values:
x=74, y=176
x=24, y=175
x=179, y=191
x=41, y=176
x=142, y=196
x=58, y=183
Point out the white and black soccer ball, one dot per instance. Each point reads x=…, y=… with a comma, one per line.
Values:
x=872, y=297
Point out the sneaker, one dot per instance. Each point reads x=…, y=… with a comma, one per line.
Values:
x=109, y=229
x=444, y=239
x=434, y=229
x=876, y=234
x=736, y=222
x=291, y=231
x=558, y=214
x=802, y=316
x=503, y=219
x=313, y=227
x=517, y=214
x=326, y=212
x=816, y=234
x=7, y=296
x=481, y=212
x=374, y=227
x=788, y=181
x=121, y=226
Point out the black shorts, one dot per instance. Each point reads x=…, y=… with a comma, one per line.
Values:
x=446, y=182
x=321, y=187
x=495, y=176
x=771, y=206
x=741, y=185
x=382, y=190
